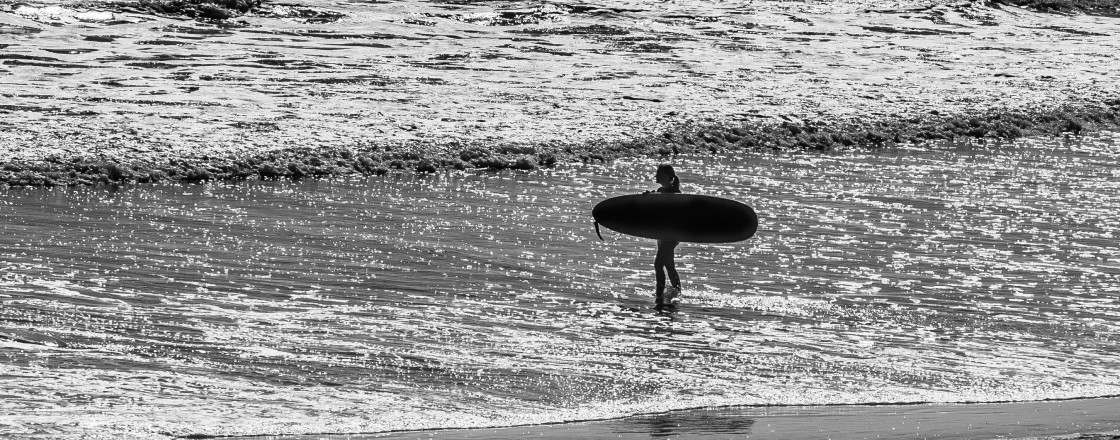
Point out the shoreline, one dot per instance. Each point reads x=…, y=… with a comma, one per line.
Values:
x=792, y=134
x=105, y=99
x=1085, y=419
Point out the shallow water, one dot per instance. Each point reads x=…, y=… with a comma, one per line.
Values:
x=961, y=273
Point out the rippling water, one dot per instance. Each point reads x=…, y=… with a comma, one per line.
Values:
x=961, y=273
x=319, y=73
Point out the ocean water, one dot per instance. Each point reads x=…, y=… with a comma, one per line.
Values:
x=89, y=78
x=978, y=272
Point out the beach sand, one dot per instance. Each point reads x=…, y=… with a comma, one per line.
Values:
x=1095, y=419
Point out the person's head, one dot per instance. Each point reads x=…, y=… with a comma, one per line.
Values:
x=666, y=176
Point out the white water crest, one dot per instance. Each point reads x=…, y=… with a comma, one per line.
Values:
x=94, y=78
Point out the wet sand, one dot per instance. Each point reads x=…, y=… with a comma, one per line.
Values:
x=1090, y=419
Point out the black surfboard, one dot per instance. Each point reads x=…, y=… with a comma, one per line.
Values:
x=683, y=217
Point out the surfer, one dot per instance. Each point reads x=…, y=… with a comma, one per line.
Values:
x=664, y=262
x=669, y=217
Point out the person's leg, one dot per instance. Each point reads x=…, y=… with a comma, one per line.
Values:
x=671, y=264
x=664, y=254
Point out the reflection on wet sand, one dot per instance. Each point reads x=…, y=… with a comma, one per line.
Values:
x=692, y=423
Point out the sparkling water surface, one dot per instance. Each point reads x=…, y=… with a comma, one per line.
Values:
x=91, y=75
x=958, y=273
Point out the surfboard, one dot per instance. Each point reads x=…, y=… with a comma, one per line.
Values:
x=692, y=218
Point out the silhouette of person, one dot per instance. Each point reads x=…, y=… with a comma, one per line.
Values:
x=664, y=262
